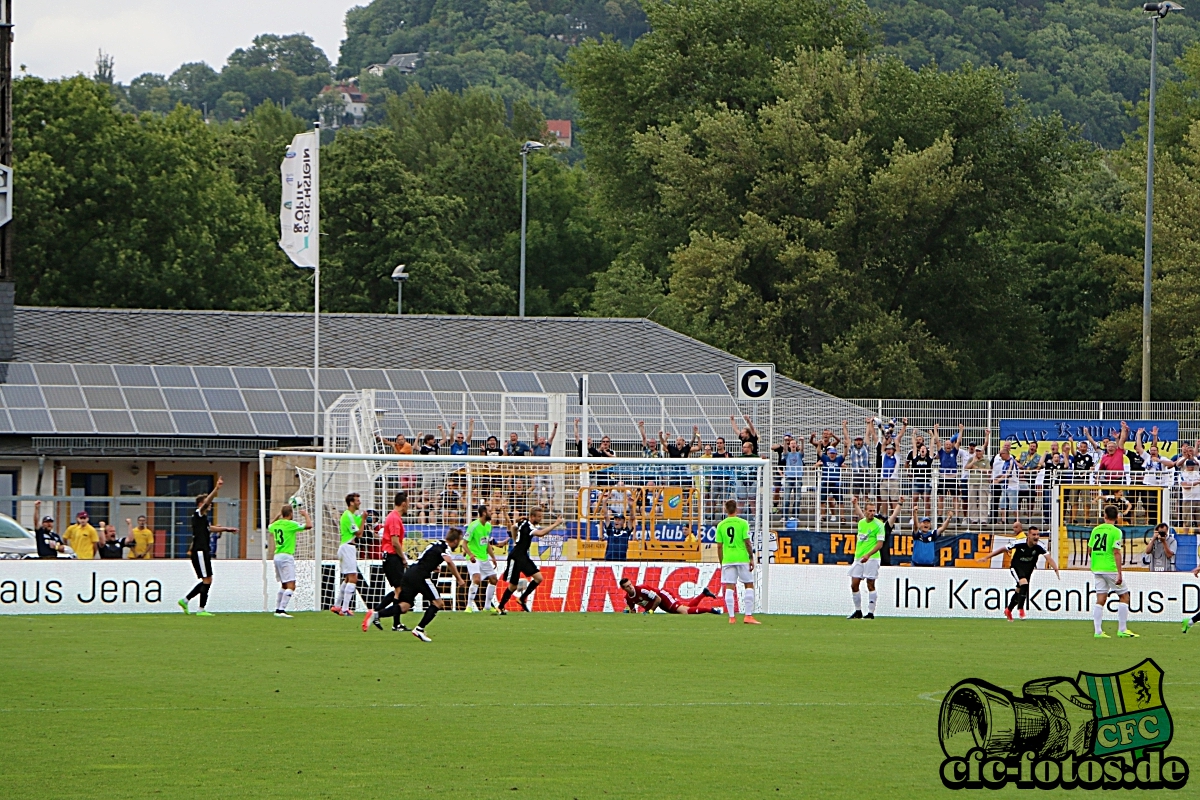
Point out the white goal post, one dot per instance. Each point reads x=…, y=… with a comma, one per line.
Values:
x=644, y=517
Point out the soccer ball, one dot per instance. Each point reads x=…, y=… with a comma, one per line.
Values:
x=522, y=585
x=296, y=502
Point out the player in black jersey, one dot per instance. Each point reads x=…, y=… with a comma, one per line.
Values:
x=199, y=551
x=519, y=563
x=1023, y=561
x=418, y=580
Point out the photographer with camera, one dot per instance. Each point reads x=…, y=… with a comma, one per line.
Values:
x=1160, y=550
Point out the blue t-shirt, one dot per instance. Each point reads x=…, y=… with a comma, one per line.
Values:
x=833, y=467
x=793, y=464
x=887, y=470
x=460, y=448
x=540, y=449
x=517, y=449
x=948, y=462
x=860, y=458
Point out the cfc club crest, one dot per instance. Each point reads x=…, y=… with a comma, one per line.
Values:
x=1097, y=731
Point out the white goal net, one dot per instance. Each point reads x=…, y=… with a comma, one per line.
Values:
x=650, y=519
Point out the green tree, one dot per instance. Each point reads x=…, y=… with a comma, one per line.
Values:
x=116, y=210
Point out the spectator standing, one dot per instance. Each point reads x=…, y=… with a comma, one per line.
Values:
x=831, y=483
x=431, y=445
x=616, y=538
x=1112, y=460
x=460, y=445
x=543, y=482
x=1006, y=477
x=920, y=468
x=110, y=546
x=859, y=456
x=681, y=448
x=515, y=446
x=49, y=543
x=1189, y=482
x=889, y=476
x=142, y=539
x=82, y=537
x=491, y=447
x=978, y=470
x=746, y=434
x=541, y=445
x=951, y=488
x=400, y=445
x=793, y=478
x=1160, y=550
x=719, y=451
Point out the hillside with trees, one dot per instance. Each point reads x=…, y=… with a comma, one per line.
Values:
x=902, y=197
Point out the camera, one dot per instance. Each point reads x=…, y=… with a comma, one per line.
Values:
x=1053, y=718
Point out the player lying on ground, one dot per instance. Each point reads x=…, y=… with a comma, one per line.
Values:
x=350, y=527
x=519, y=562
x=481, y=560
x=649, y=598
x=283, y=532
x=1023, y=562
x=418, y=580
x=199, y=552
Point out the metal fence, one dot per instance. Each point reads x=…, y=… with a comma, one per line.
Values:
x=169, y=518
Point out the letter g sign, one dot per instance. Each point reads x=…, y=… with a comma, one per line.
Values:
x=755, y=381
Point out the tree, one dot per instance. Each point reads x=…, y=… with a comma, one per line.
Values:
x=116, y=210
x=297, y=53
x=378, y=215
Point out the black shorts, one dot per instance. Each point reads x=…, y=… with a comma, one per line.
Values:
x=202, y=563
x=516, y=567
x=412, y=587
x=393, y=569
x=1028, y=576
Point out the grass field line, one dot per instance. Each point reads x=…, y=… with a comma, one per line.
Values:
x=336, y=706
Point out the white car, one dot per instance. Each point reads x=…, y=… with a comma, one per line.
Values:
x=17, y=542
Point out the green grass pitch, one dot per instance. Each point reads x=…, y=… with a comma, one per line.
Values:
x=544, y=705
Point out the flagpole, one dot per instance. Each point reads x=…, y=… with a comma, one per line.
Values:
x=316, y=228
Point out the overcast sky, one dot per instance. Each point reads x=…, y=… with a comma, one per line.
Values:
x=60, y=37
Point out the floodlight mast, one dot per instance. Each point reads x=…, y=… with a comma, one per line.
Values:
x=526, y=149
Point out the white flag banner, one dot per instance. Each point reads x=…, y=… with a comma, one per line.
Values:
x=299, y=209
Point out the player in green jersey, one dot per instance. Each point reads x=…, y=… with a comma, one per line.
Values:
x=736, y=555
x=350, y=529
x=481, y=560
x=1105, y=544
x=872, y=535
x=283, y=535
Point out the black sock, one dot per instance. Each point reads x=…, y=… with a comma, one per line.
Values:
x=1015, y=600
x=204, y=587
x=1023, y=593
x=195, y=590
x=504, y=598
x=1197, y=617
x=530, y=589
x=430, y=612
x=385, y=605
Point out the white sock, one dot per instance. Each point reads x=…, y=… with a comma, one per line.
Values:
x=1122, y=615
x=748, y=599
x=871, y=598
x=279, y=600
x=1098, y=616
x=472, y=591
x=489, y=596
x=287, y=598
x=348, y=602
x=857, y=601
x=730, y=602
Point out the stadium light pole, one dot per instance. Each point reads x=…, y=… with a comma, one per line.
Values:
x=399, y=276
x=1156, y=11
x=526, y=149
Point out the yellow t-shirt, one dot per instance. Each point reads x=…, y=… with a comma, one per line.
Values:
x=143, y=543
x=81, y=539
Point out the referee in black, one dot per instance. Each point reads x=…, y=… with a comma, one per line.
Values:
x=519, y=562
x=1023, y=561
x=199, y=552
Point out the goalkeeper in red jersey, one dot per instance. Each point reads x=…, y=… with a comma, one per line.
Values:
x=651, y=597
